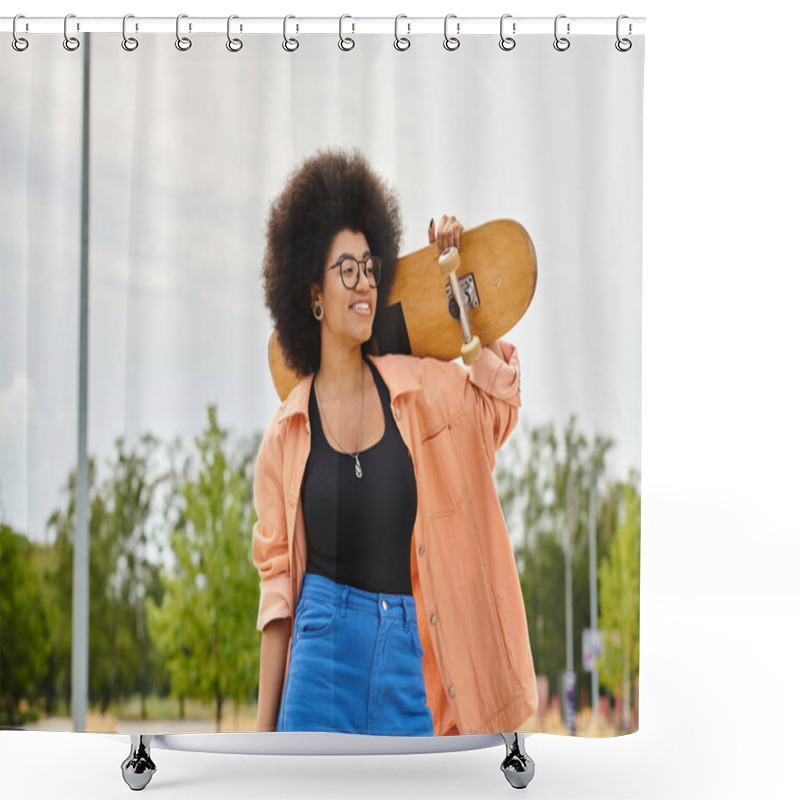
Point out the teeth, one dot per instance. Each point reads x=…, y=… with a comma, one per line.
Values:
x=363, y=306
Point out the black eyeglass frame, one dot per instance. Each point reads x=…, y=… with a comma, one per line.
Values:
x=361, y=266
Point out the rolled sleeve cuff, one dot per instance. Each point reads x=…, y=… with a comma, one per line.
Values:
x=498, y=377
x=275, y=601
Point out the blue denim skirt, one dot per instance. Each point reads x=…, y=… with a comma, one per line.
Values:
x=355, y=664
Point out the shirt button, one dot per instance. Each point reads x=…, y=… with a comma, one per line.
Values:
x=434, y=619
x=397, y=413
x=385, y=605
x=452, y=691
x=422, y=550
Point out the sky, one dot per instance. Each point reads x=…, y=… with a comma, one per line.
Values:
x=187, y=152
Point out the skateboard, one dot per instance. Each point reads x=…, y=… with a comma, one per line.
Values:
x=444, y=305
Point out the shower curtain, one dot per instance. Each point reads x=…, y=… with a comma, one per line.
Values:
x=137, y=181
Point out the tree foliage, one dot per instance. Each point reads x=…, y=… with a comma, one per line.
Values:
x=24, y=642
x=123, y=558
x=205, y=625
x=618, y=576
x=544, y=481
x=150, y=515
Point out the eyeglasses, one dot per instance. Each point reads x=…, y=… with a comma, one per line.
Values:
x=350, y=271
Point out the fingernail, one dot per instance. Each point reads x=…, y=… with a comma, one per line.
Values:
x=431, y=223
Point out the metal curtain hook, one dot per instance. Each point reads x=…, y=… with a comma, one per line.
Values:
x=623, y=45
x=182, y=42
x=129, y=43
x=289, y=44
x=561, y=43
x=234, y=45
x=70, y=42
x=451, y=42
x=401, y=42
x=18, y=43
x=346, y=43
x=507, y=42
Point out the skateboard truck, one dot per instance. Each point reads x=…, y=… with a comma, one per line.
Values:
x=470, y=292
x=449, y=262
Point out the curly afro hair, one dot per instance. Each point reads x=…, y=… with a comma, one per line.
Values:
x=329, y=192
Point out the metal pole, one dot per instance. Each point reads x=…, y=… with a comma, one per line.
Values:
x=80, y=558
x=571, y=678
x=568, y=583
x=593, y=586
x=571, y=520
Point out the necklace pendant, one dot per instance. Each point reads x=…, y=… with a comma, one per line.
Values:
x=359, y=473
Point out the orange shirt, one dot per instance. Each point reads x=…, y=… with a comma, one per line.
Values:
x=478, y=667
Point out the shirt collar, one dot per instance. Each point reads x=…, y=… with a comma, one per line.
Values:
x=398, y=375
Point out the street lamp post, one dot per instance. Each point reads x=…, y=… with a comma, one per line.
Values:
x=80, y=555
x=570, y=681
x=593, y=587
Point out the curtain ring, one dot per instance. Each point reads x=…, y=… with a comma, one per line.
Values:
x=70, y=42
x=401, y=42
x=18, y=43
x=623, y=45
x=451, y=42
x=561, y=43
x=345, y=43
x=183, y=43
x=507, y=42
x=234, y=45
x=129, y=43
x=289, y=44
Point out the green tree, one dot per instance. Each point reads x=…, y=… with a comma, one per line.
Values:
x=544, y=483
x=58, y=584
x=618, y=576
x=123, y=556
x=24, y=643
x=204, y=626
x=130, y=543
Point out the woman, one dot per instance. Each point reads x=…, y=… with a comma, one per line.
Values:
x=390, y=601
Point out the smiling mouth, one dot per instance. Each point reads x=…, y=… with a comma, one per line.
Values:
x=361, y=307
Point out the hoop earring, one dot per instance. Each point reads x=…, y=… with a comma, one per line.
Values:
x=319, y=311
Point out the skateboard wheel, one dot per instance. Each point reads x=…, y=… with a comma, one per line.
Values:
x=449, y=261
x=471, y=351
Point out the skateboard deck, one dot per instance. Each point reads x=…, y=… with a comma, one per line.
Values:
x=497, y=274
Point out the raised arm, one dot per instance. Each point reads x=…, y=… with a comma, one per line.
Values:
x=491, y=394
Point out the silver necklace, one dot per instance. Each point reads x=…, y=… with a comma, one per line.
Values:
x=359, y=471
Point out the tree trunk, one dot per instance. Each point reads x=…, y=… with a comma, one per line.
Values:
x=143, y=653
x=626, y=701
x=115, y=654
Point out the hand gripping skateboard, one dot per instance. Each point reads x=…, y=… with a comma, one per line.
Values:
x=444, y=306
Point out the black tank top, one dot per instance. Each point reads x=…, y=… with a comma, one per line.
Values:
x=358, y=530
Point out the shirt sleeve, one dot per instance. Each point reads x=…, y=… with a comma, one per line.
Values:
x=270, y=550
x=491, y=396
